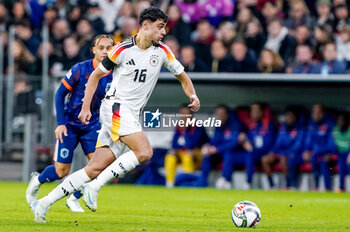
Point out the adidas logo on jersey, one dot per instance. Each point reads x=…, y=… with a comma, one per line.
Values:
x=131, y=62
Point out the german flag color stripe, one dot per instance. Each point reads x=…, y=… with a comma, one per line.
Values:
x=168, y=52
x=115, y=122
x=115, y=51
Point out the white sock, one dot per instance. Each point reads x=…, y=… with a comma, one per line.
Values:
x=36, y=181
x=124, y=164
x=71, y=184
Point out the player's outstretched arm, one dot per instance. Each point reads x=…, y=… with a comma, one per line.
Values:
x=189, y=90
x=85, y=113
x=61, y=93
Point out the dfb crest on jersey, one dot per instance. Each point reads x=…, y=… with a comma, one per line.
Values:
x=64, y=153
x=152, y=119
x=154, y=61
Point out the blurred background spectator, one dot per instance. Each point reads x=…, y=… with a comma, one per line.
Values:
x=241, y=58
x=270, y=62
x=189, y=61
x=330, y=64
x=276, y=25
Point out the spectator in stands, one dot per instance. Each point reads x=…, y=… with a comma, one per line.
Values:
x=60, y=30
x=128, y=29
x=4, y=36
x=299, y=15
x=254, y=36
x=125, y=11
x=63, y=7
x=189, y=61
x=85, y=34
x=73, y=16
x=341, y=136
x=288, y=148
x=109, y=13
x=258, y=140
x=343, y=45
x=221, y=145
x=202, y=43
x=251, y=4
x=319, y=144
x=50, y=15
x=140, y=6
x=37, y=67
x=94, y=16
x=220, y=62
x=279, y=41
x=177, y=27
x=341, y=16
x=241, y=58
x=186, y=145
x=19, y=13
x=330, y=64
x=269, y=11
x=226, y=33
x=270, y=62
x=3, y=17
x=303, y=36
x=243, y=18
x=323, y=35
x=26, y=36
x=70, y=52
x=304, y=62
x=324, y=14
x=22, y=56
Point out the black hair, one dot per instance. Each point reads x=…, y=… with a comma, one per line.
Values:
x=321, y=106
x=262, y=105
x=153, y=14
x=99, y=37
x=294, y=109
x=223, y=106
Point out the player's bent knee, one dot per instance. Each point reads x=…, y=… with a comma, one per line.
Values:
x=62, y=171
x=144, y=155
x=92, y=172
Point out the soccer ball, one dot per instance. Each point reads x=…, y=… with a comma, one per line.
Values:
x=246, y=214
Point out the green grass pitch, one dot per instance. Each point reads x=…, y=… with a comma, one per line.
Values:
x=131, y=208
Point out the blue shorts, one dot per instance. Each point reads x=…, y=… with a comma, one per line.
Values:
x=87, y=137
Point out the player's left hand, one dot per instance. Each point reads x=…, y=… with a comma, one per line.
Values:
x=195, y=105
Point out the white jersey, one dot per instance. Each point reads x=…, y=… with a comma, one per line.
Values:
x=137, y=71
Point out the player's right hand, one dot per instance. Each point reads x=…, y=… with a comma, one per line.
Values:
x=84, y=116
x=61, y=129
x=195, y=103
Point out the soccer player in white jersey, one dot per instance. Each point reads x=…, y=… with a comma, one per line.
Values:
x=137, y=62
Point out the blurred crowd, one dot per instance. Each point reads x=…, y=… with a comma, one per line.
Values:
x=266, y=36
x=254, y=139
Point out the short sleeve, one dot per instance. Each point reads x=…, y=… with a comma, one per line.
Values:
x=114, y=53
x=72, y=77
x=170, y=62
